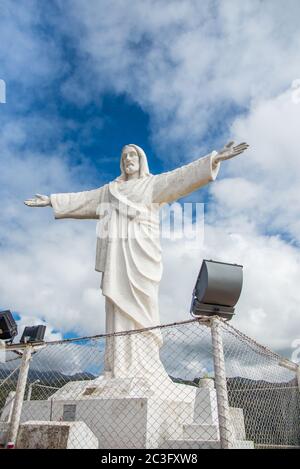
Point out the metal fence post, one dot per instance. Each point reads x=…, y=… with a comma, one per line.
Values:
x=298, y=377
x=295, y=367
x=19, y=397
x=225, y=427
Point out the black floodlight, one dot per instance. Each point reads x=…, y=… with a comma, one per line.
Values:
x=8, y=326
x=33, y=334
x=217, y=289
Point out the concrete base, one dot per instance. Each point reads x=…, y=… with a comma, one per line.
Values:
x=55, y=435
x=237, y=418
x=209, y=444
x=119, y=423
x=128, y=413
x=200, y=432
x=4, y=426
x=116, y=388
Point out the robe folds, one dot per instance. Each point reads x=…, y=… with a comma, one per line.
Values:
x=128, y=246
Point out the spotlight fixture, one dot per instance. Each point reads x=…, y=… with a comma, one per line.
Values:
x=33, y=334
x=8, y=326
x=217, y=289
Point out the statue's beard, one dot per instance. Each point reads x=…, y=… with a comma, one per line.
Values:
x=131, y=169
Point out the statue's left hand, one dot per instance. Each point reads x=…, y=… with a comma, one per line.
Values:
x=39, y=201
x=230, y=151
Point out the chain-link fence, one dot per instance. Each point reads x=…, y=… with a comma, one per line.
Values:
x=191, y=385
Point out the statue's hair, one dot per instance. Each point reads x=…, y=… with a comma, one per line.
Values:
x=144, y=168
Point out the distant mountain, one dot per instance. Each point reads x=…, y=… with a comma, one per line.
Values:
x=53, y=379
x=48, y=377
x=271, y=410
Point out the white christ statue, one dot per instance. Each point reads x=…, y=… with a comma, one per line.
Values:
x=129, y=255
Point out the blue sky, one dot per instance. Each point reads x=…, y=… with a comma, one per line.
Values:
x=178, y=78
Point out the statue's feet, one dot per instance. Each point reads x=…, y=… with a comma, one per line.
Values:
x=107, y=375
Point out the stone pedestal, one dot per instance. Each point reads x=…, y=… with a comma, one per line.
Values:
x=122, y=413
x=4, y=427
x=55, y=435
x=128, y=413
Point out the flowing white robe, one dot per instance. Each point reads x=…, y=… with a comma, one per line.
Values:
x=129, y=257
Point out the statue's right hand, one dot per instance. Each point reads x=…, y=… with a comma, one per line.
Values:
x=38, y=201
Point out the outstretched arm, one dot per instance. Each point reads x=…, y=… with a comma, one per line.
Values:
x=173, y=185
x=70, y=205
x=180, y=182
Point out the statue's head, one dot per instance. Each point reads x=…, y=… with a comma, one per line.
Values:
x=133, y=162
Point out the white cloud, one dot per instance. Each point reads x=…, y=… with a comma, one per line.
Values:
x=30, y=59
x=272, y=128
x=189, y=63
x=268, y=307
x=46, y=266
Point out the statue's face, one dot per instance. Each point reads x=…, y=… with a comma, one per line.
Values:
x=131, y=160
